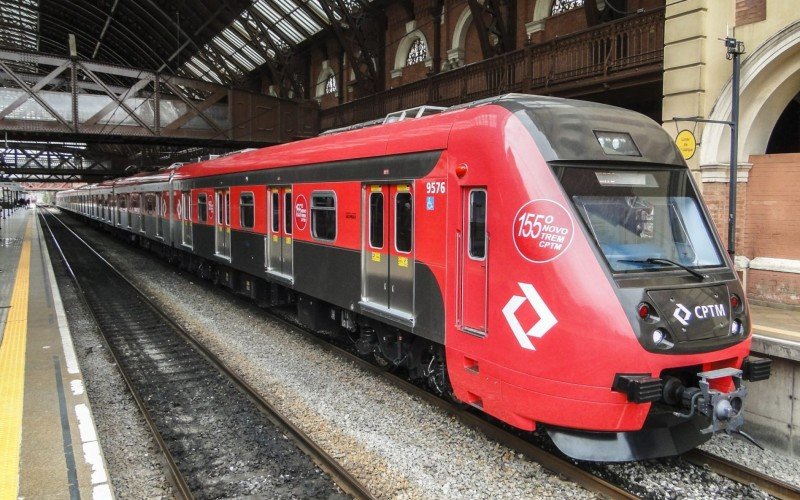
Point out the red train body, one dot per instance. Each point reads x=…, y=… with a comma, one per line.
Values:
x=547, y=261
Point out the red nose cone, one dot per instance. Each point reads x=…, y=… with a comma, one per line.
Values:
x=461, y=170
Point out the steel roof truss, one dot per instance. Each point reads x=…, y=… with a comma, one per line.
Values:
x=36, y=88
x=34, y=95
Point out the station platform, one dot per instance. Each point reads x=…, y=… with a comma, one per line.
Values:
x=48, y=441
x=776, y=331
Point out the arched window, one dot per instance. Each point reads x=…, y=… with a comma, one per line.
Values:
x=330, y=84
x=417, y=53
x=560, y=6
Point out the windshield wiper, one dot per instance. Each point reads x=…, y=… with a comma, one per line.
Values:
x=659, y=260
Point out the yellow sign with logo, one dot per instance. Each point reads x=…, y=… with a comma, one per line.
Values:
x=687, y=143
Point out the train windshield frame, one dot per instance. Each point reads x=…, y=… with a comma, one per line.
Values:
x=636, y=214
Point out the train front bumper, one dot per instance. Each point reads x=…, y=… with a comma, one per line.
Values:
x=680, y=418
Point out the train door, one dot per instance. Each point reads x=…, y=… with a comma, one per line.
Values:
x=118, y=211
x=186, y=218
x=223, y=222
x=388, y=248
x=278, y=241
x=474, y=245
x=160, y=212
x=375, y=255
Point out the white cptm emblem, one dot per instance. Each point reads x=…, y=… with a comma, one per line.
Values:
x=546, y=318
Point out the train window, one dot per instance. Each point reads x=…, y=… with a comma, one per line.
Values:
x=202, y=207
x=247, y=210
x=477, y=224
x=135, y=202
x=276, y=218
x=403, y=212
x=643, y=215
x=323, y=216
x=376, y=220
x=149, y=203
x=227, y=208
x=287, y=212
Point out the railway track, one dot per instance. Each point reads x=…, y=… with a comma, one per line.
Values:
x=218, y=437
x=741, y=474
x=551, y=461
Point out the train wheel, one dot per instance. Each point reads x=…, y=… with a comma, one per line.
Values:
x=436, y=374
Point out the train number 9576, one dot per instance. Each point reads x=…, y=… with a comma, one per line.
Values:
x=435, y=187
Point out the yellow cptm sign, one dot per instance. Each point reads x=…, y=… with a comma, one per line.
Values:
x=687, y=143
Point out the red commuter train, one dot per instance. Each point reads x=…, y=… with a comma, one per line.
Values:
x=548, y=261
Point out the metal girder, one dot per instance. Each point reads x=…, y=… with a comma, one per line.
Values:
x=82, y=106
x=496, y=35
x=115, y=99
x=36, y=88
x=282, y=65
x=51, y=161
x=360, y=34
x=34, y=95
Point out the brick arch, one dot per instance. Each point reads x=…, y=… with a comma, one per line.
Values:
x=770, y=78
x=322, y=78
x=462, y=28
x=542, y=9
x=405, y=45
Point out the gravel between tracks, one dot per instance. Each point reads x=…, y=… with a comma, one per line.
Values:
x=396, y=445
x=130, y=450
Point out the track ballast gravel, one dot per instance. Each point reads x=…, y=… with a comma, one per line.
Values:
x=399, y=447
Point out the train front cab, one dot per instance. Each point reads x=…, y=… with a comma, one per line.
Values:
x=613, y=316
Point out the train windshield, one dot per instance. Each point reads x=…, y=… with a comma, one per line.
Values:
x=636, y=215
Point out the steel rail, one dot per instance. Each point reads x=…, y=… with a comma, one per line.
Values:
x=174, y=475
x=742, y=474
x=338, y=473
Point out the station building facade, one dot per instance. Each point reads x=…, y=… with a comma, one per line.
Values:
x=698, y=83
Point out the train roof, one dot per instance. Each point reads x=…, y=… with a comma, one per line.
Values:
x=563, y=129
x=569, y=130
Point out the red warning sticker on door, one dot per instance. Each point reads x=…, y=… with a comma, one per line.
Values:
x=542, y=230
x=300, y=212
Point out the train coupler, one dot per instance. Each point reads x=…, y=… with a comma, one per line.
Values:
x=724, y=409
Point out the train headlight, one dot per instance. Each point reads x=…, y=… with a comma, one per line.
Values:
x=737, y=328
x=659, y=336
x=736, y=303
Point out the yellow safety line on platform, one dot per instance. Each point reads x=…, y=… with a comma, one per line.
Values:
x=12, y=375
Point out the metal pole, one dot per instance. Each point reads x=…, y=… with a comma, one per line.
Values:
x=735, y=50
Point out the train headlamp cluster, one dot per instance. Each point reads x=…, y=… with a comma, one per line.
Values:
x=737, y=328
x=617, y=143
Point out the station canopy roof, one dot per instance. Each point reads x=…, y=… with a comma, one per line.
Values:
x=219, y=41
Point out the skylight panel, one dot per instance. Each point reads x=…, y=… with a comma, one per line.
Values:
x=224, y=45
x=197, y=62
x=248, y=65
x=233, y=38
x=253, y=54
x=316, y=7
x=306, y=22
x=267, y=11
x=287, y=29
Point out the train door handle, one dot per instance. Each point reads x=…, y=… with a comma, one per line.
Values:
x=384, y=285
x=392, y=288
